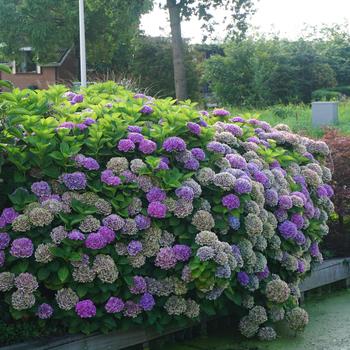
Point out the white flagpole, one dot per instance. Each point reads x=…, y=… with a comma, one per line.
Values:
x=82, y=44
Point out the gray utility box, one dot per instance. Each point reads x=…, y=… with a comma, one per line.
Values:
x=324, y=113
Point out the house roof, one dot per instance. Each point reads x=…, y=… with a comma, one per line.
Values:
x=61, y=57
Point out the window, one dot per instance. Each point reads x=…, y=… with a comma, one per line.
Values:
x=26, y=63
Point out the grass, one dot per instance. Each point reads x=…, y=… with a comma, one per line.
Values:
x=297, y=117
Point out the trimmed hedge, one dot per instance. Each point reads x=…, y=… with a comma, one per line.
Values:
x=119, y=209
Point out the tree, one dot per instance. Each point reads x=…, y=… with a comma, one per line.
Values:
x=50, y=25
x=153, y=58
x=184, y=10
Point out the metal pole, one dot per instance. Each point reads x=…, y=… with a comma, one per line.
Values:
x=82, y=44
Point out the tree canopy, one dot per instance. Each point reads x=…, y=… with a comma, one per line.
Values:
x=49, y=25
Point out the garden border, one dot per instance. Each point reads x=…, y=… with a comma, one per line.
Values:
x=328, y=272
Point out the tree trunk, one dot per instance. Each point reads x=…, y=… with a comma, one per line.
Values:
x=178, y=52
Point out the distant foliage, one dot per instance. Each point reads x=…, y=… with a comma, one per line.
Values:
x=152, y=67
x=260, y=71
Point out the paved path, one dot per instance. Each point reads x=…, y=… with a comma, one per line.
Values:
x=329, y=329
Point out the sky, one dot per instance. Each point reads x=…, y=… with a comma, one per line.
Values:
x=288, y=17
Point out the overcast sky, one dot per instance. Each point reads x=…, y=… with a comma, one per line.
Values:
x=285, y=16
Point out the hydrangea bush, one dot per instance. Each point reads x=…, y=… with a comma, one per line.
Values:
x=120, y=208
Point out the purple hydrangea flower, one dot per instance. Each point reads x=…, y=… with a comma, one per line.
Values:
x=114, y=305
x=162, y=166
x=300, y=238
x=237, y=120
x=78, y=98
x=139, y=285
x=182, y=252
x=204, y=113
x=221, y=112
x=231, y=201
x=174, y=144
x=2, y=221
x=322, y=192
x=202, y=123
x=2, y=258
x=142, y=222
x=89, y=121
x=139, y=95
x=95, y=241
x=131, y=309
x=4, y=240
x=113, y=221
x=147, y=302
x=329, y=189
x=157, y=210
x=85, y=309
x=301, y=266
x=147, y=146
x=216, y=147
x=134, y=247
x=41, y=188
x=314, y=250
x=44, y=311
x=234, y=222
x=205, y=253
x=9, y=214
x=166, y=258
x=233, y=129
x=107, y=234
x=146, y=110
x=298, y=220
x=191, y=164
x=135, y=137
x=198, y=153
x=271, y=197
x=156, y=195
x=236, y=161
x=76, y=235
x=66, y=125
x=259, y=176
x=22, y=248
x=194, y=128
x=242, y=186
x=75, y=181
x=263, y=274
x=90, y=163
x=135, y=128
x=81, y=126
x=108, y=177
x=185, y=192
x=243, y=278
x=285, y=202
x=126, y=145
x=223, y=271
x=288, y=229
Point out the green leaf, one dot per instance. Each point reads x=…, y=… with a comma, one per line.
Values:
x=20, y=267
x=43, y=274
x=63, y=273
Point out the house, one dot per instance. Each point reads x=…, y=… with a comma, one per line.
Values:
x=26, y=73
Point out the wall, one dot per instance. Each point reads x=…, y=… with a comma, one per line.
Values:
x=23, y=80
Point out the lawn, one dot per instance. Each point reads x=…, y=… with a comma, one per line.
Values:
x=328, y=330
x=298, y=117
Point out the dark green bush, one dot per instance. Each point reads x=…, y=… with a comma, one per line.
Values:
x=326, y=95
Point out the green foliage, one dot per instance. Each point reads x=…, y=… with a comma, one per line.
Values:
x=49, y=26
x=152, y=67
x=261, y=71
x=326, y=95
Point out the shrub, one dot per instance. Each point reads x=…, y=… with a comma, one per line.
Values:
x=326, y=95
x=124, y=209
